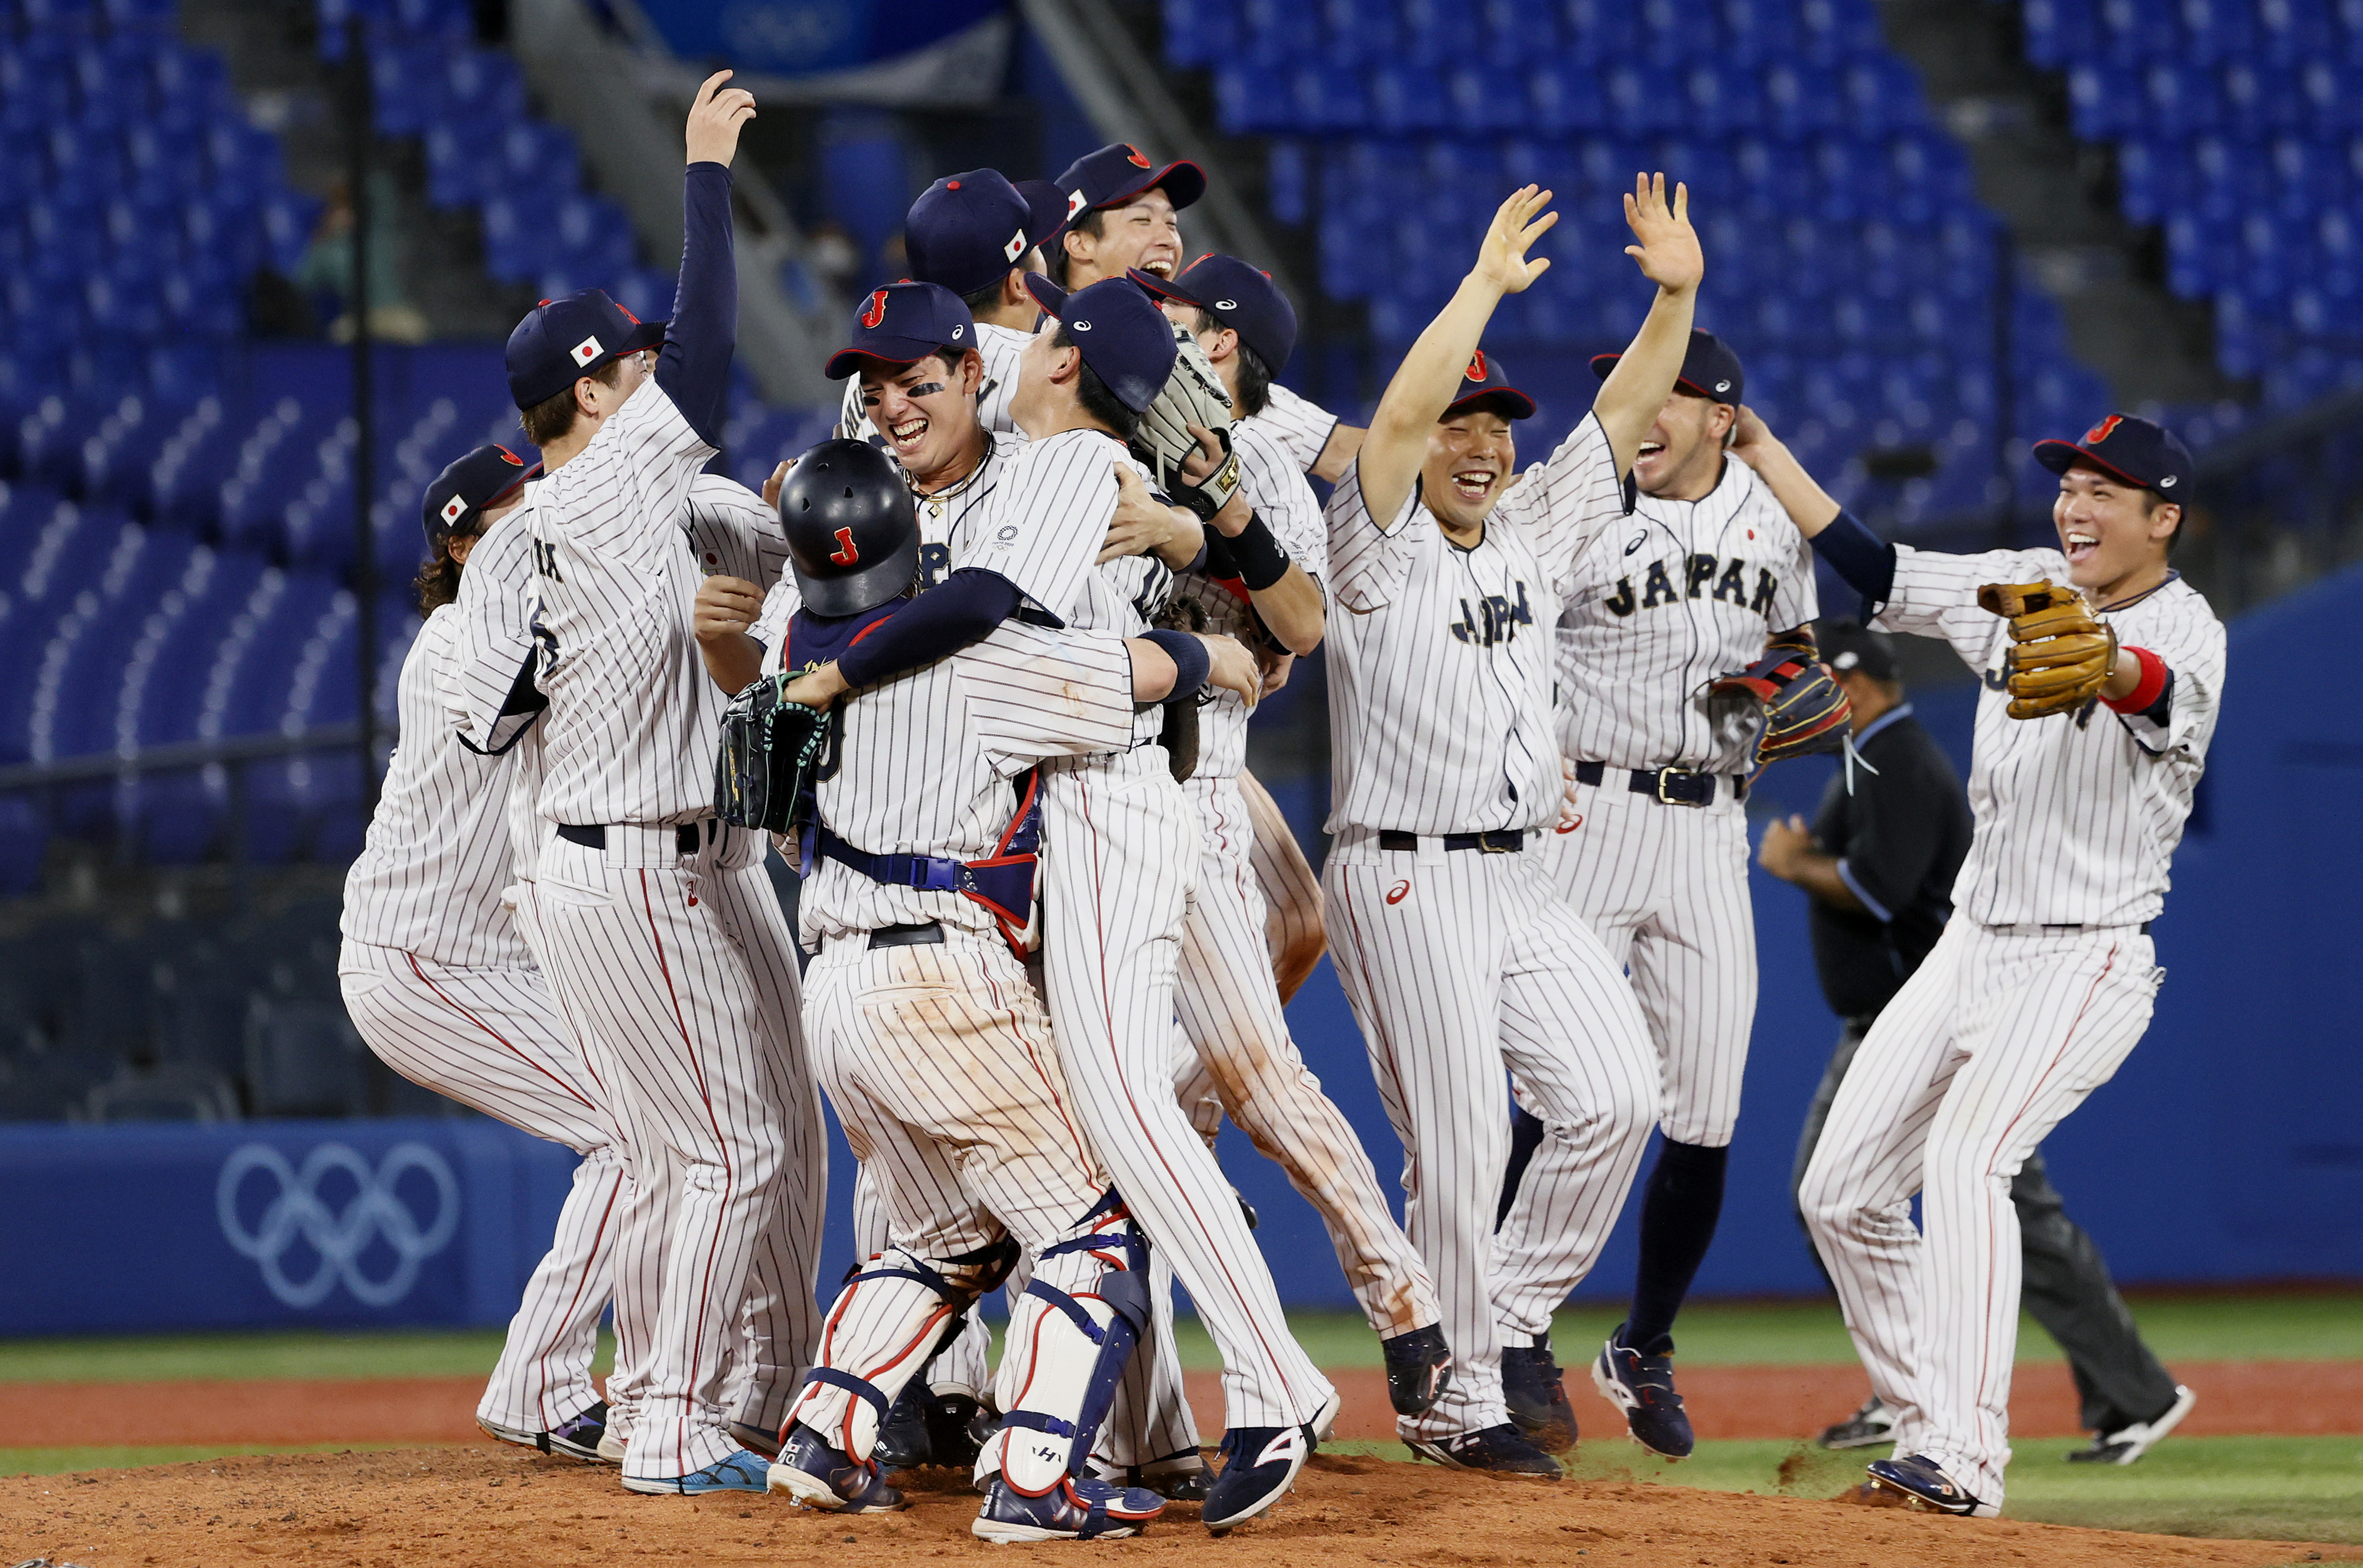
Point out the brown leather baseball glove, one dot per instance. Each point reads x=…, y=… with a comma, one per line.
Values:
x=2063, y=653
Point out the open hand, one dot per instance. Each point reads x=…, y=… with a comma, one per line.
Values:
x=1668, y=251
x=1502, y=259
x=715, y=118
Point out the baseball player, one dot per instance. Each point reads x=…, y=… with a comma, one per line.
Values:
x=2104, y=672
x=927, y=1032
x=1705, y=574
x=1455, y=952
x=977, y=234
x=443, y=989
x=1119, y=856
x=666, y=941
x=1260, y=582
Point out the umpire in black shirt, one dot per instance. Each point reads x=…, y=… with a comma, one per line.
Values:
x=1878, y=865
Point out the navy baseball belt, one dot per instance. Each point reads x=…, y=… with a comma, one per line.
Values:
x=1504, y=840
x=924, y=933
x=1669, y=786
x=689, y=837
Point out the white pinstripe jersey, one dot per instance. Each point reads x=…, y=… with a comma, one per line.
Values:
x=924, y=764
x=492, y=643
x=2077, y=815
x=998, y=346
x=1683, y=592
x=624, y=535
x=1301, y=428
x=1043, y=530
x=430, y=872
x=1276, y=489
x=1442, y=696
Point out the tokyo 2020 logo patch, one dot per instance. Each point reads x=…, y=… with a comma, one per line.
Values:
x=323, y=1222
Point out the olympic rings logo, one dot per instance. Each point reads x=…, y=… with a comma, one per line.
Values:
x=339, y=1240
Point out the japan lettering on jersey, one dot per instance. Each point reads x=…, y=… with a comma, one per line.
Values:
x=1681, y=594
x=1442, y=692
x=1275, y=487
x=999, y=346
x=431, y=869
x=2076, y=814
x=624, y=533
x=1301, y=427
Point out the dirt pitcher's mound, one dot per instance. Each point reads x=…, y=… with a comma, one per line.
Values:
x=415, y=1508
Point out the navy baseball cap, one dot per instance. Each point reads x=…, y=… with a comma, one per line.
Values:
x=561, y=340
x=902, y=325
x=1710, y=370
x=485, y=477
x=1124, y=338
x=1849, y=644
x=1484, y=384
x=968, y=230
x=2128, y=449
x=1239, y=296
x=1118, y=172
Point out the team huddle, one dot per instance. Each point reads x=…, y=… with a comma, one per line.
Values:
x=982, y=669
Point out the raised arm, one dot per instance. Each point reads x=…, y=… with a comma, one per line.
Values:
x=693, y=367
x=1430, y=373
x=1667, y=249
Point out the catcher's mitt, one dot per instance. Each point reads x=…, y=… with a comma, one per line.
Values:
x=771, y=750
x=1805, y=710
x=2063, y=653
x=1194, y=395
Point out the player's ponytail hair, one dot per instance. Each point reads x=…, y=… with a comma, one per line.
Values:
x=438, y=583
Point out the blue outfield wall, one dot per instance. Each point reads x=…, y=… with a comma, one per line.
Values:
x=2230, y=1146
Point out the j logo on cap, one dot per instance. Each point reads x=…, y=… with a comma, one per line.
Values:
x=1134, y=154
x=583, y=353
x=2102, y=432
x=1477, y=366
x=876, y=312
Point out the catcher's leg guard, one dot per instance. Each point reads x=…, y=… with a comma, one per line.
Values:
x=886, y=1324
x=1070, y=1336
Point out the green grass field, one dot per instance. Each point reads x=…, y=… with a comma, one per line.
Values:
x=2263, y=1487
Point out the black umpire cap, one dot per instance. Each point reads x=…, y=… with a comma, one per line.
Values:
x=1850, y=645
x=485, y=477
x=561, y=340
x=852, y=528
x=1710, y=370
x=1238, y=295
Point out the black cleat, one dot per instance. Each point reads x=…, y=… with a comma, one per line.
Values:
x=1419, y=1368
x=1536, y=1394
x=577, y=1437
x=1867, y=1428
x=2129, y=1444
x=906, y=1438
x=1502, y=1450
x=1643, y=1387
x=950, y=1423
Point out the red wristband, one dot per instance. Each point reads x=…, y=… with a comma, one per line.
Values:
x=2146, y=691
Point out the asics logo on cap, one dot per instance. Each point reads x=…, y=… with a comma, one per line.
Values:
x=956, y=333
x=875, y=310
x=454, y=509
x=1723, y=386
x=2167, y=483
x=1477, y=366
x=1016, y=247
x=1227, y=305
x=583, y=353
x=1133, y=153
x=2101, y=432
x=1078, y=326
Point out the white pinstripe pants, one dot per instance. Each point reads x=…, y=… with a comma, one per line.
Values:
x=1245, y=1057
x=1989, y=1045
x=680, y=970
x=1665, y=889
x=493, y=1040
x=1292, y=893
x=1458, y=964
x=1120, y=852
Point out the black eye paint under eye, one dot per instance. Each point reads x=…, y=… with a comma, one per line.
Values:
x=924, y=389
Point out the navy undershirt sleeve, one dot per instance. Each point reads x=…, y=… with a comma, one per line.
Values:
x=1863, y=557
x=1191, y=662
x=963, y=608
x=694, y=367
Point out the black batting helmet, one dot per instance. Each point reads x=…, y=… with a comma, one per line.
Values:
x=852, y=528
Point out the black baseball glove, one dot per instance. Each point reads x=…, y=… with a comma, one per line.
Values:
x=770, y=751
x=1805, y=710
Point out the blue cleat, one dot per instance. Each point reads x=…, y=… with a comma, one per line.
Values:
x=1643, y=1387
x=1536, y=1395
x=577, y=1437
x=1502, y=1450
x=819, y=1476
x=1260, y=1464
x=1918, y=1482
x=1077, y=1509
x=741, y=1471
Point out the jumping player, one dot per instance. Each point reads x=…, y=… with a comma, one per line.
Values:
x=2043, y=978
x=1707, y=570
x=1458, y=957
x=667, y=942
x=442, y=987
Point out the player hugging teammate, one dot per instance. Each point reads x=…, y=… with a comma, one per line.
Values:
x=1002, y=640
